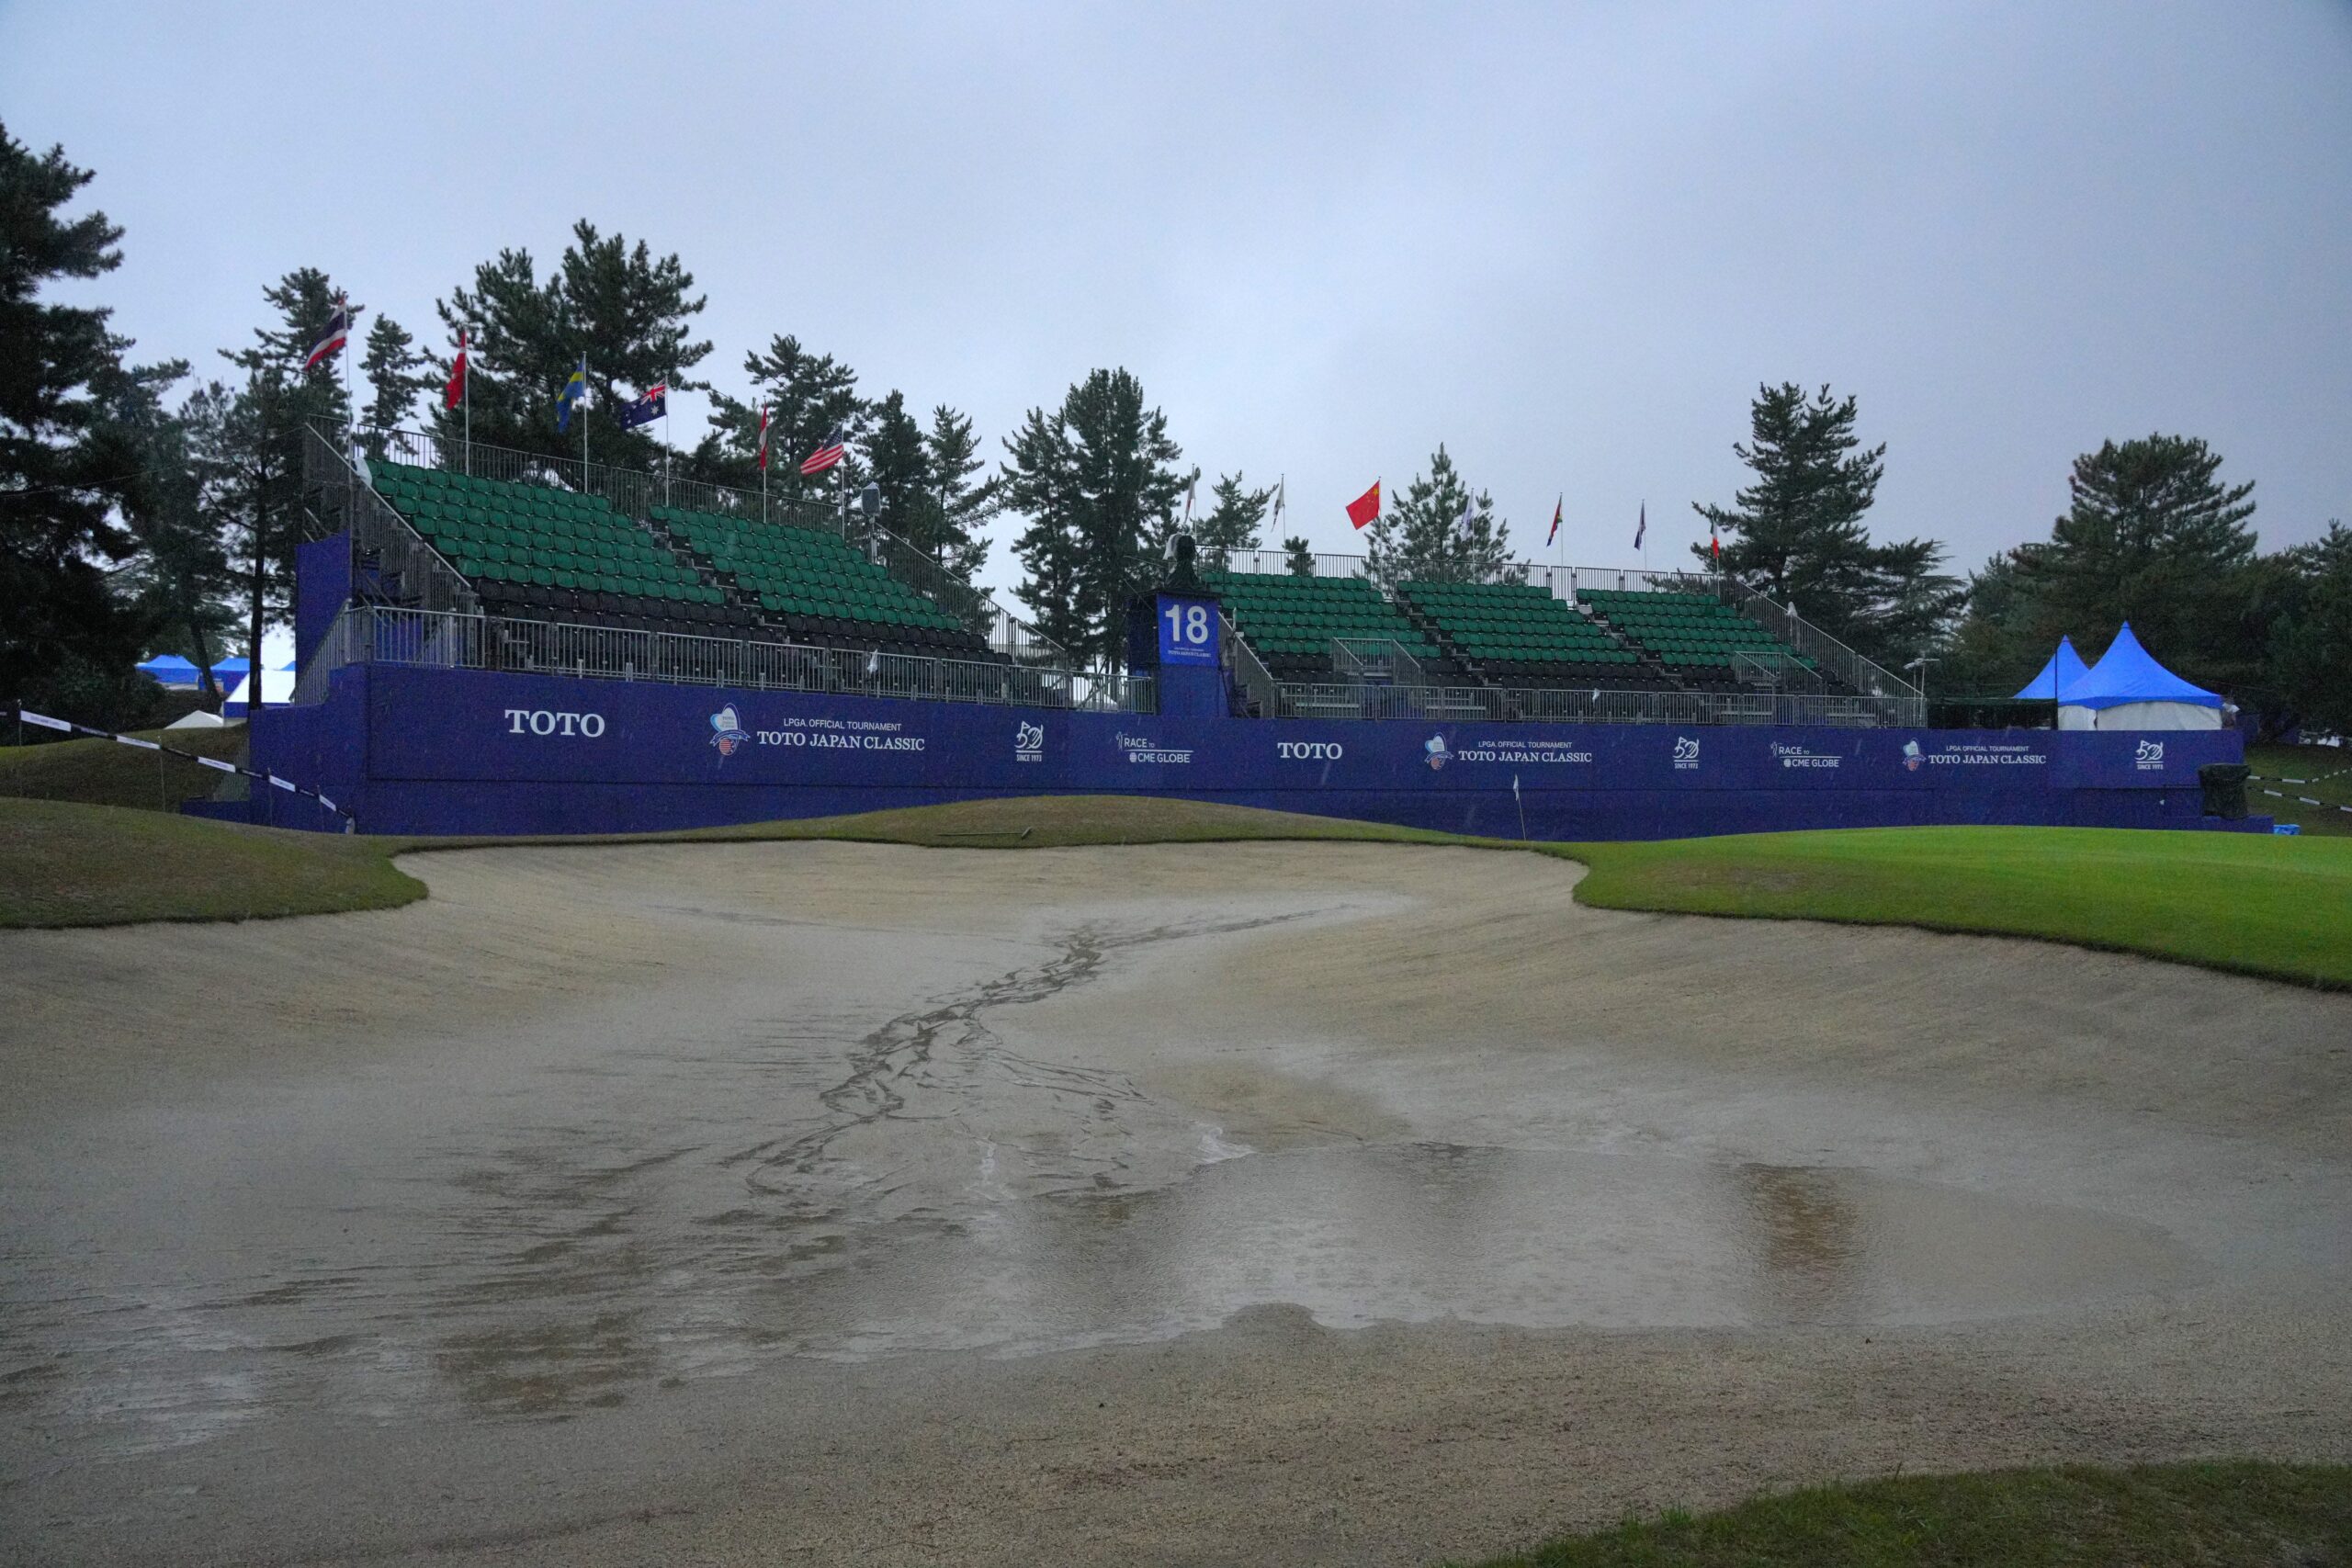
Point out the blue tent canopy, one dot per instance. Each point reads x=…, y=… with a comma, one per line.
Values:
x=2060, y=676
x=2126, y=673
x=170, y=668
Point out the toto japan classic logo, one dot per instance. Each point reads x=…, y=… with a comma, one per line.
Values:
x=1911, y=756
x=547, y=721
x=727, y=731
x=1435, y=751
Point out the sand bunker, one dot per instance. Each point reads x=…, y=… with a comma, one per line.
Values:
x=1245, y=1204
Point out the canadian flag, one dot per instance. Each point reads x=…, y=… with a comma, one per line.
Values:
x=454, y=392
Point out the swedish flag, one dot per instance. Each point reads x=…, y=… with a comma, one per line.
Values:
x=575, y=392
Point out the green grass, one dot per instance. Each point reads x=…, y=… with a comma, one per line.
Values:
x=2307, y=763
x=2213, y=1516
x=68, y=864
x=2257, y=905
x=2252, y=903
x=107, y=772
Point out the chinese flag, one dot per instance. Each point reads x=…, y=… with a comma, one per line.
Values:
x=1366, y=507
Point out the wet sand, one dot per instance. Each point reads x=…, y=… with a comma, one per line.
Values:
x=1242, y=1203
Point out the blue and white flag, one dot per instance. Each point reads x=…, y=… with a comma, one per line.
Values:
x=647, y=408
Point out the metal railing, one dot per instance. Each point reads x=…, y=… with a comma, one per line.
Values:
x=1774, y=671
x=635, y=493
x=1256, y=680
x=1862, y=675
x=389, y=559
x=375, y=634
x=1376, y=658
x=1355, y=700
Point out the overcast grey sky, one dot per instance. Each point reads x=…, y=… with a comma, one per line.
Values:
x=1568, y=243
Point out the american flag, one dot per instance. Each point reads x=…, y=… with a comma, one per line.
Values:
x=827, y=455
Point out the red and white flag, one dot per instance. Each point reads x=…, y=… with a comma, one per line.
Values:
x=454, y=392
x=1366, y=507
x=825, y=456
x=1715, y=544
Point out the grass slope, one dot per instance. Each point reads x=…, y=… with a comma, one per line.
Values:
x=2278, y=907
x=2327, y=771
x=2256, y=904
x=107, y=772
x=66, y=864
x=2216, y=1516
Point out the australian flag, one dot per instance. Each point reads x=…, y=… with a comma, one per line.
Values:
x=654, y=405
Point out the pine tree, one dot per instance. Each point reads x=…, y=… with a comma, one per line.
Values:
x=252, y=478
x=1797, y=532
x=2311, y=659
x=2153, y=536
x=630, y=314
x=1302, y=556
x=179, y=575
x=1098, y=481
x=63, y=466
x=1424, y=536
x=394, y=371
x=1039, y=482
x=258, y=455
x=1232, y=522
x=809, y=395
x=965, y=504
x=898, y=465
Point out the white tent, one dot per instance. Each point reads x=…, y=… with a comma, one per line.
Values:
x=276, y=690
x=2127, y=689
x=197, y=719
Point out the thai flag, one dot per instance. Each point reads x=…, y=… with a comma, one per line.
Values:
x=338, y=332
x=647, y=408
x=826, y=455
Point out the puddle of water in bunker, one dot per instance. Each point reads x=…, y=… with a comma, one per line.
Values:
x=542, y=1232
x=1398, y=1232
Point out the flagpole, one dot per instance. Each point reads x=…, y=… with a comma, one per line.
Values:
x=466, y=393
x=763, y=463
x=583, y=406
x=350, y=399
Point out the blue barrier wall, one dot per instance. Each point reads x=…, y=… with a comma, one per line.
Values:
x=321, y=588
x=426, y=750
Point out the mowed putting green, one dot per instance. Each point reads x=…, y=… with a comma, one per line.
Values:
x=2248, y=902
x=2227, y=1515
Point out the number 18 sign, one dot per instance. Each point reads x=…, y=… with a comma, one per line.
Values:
x=1187, y=631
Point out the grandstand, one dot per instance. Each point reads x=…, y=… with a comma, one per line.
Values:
x=815, y=586
x=1292, y=622
x=1705, y=645
x=549, y=563
x=1518, y=635
x=528, y=548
